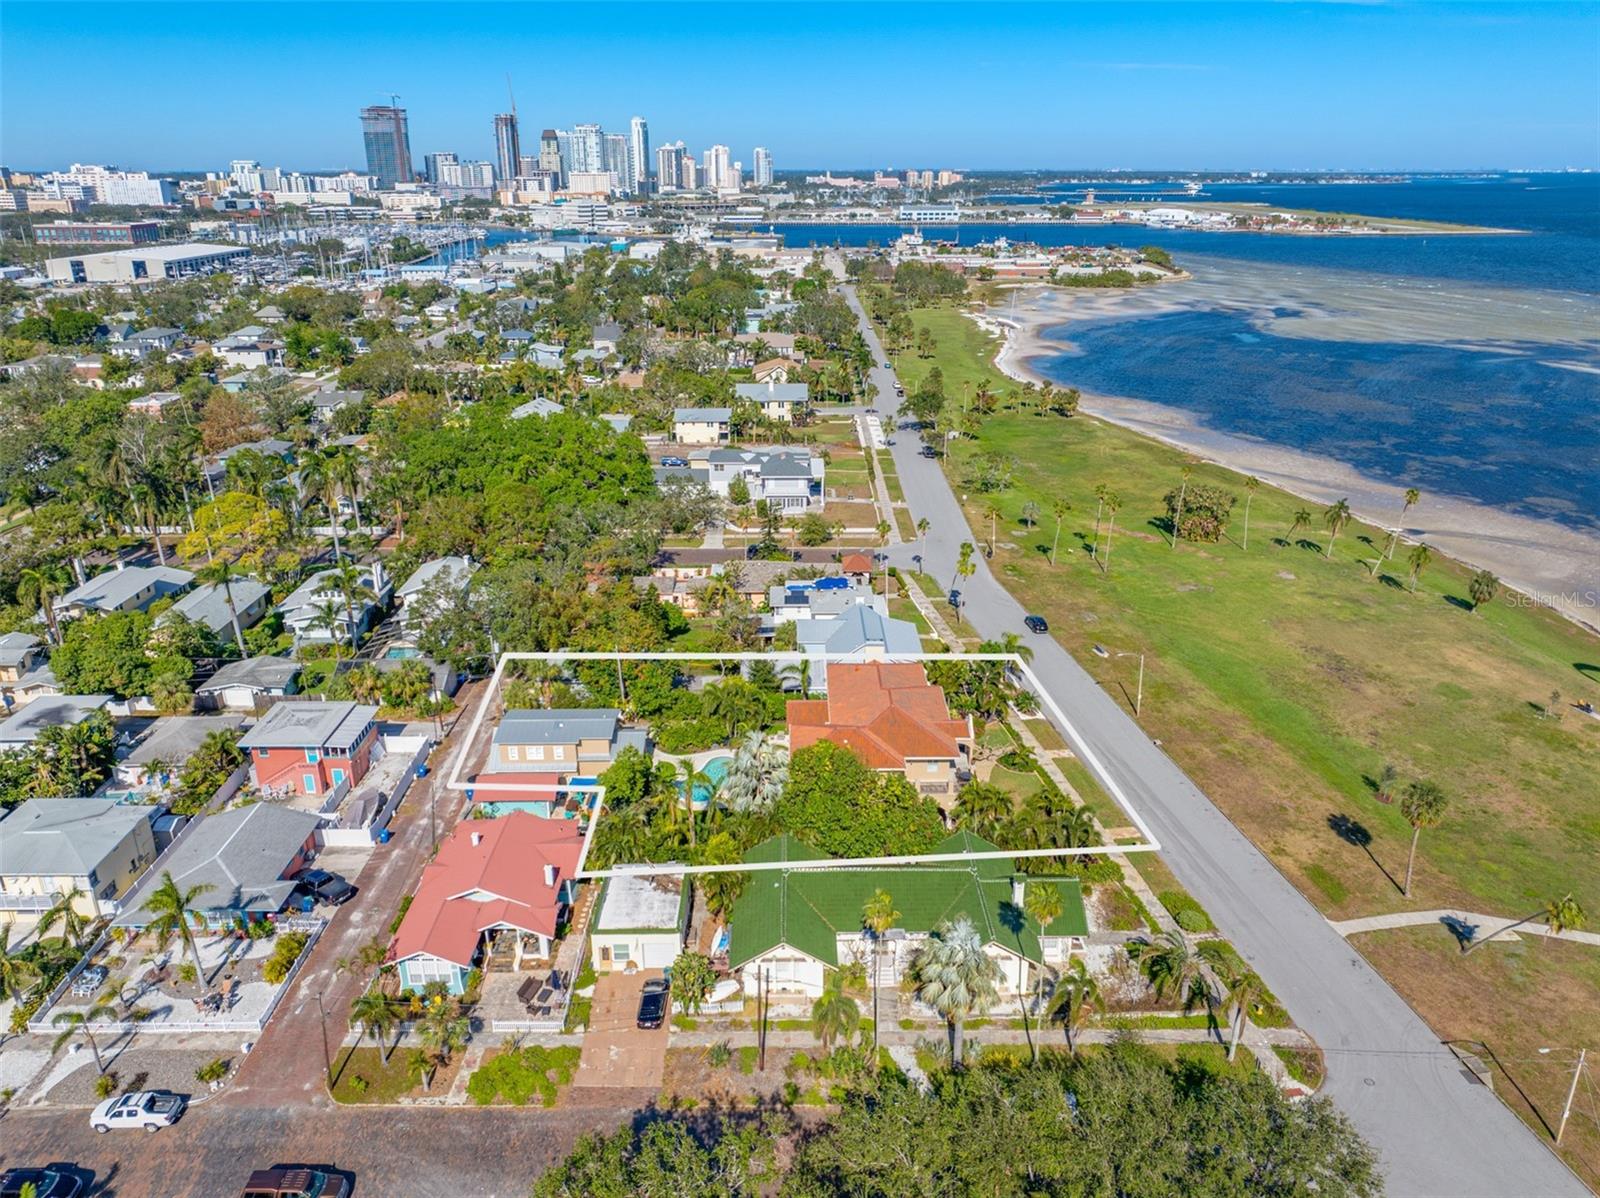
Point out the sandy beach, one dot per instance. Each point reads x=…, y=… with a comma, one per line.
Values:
x=1545, y=562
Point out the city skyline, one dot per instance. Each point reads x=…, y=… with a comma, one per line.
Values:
x=1139, y=86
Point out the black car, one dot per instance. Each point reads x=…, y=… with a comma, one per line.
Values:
x=653, y=1003
x=1036, y=623
x=955, y=599
x=53, y=1181
x=929, y=451
x=324, y=887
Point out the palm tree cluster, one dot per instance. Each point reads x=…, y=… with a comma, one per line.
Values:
x=756, y=775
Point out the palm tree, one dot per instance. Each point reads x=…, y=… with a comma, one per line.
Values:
x=376, y=1017
x=419, y=1068
x=757, y=774
x=365, y=683
x=955, y=976
x=1412, y=495
x=1302, y=519
x=145, y=494
x=319, y=478
x=344, y=579
x=80, y=1021
x=443, y=1029
x=992, y=510
x=38, y=586
x=963, y=560
x=1042, y=903
x=923, y=525
x=220, y=751
x=1481, y=588
x=1244, y=990
x=1335, y=516
x=1013, y=644
x=1059, y=509
x=1251, y=484
x=176, y=914
x=327, y=616
x=834, y=1014
x=1418, y=560
x=1423, y=804
x=1112, y=505
x=66, y=913
x=693, y=776
x=982, y=807
x=17, y=976
x=1177, y=517
x=799, y=672
x=1558, y=914
x=1076, y=995
x=1174, y=971
x=1100, y=493
x=221, y=572
x=878, y=914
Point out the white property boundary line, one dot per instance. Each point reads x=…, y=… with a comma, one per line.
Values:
x=677, y=869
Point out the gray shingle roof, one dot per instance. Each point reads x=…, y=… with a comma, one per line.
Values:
x=14, y=646
x=173, y=739
x=48, y=712
x=240, y=854
x=310, y=725
x=262, y=673
x=64, y=837
x=208, y=604
x=702, y=415
x=772, y=392
x=556, y=726
x=110, y=590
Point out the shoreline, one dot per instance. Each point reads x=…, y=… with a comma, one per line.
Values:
x=1547, y=564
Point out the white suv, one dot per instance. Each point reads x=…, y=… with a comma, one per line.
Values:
x=149, y=1109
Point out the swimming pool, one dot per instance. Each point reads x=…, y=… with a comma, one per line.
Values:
x=716, y=769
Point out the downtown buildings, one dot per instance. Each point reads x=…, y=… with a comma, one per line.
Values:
x=386, y=134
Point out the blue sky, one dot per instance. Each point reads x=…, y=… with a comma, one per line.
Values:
x=1290, y=85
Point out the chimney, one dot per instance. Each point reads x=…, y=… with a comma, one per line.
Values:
x=477, y=839
x=1017, y=883
x=549, y=875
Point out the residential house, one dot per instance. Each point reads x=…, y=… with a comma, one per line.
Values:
x=317, y=614
x=145, y=342
x=537, y=406
x=619, y=421
x=311, y=748
x=701, y=426
x=239, y=380
x=890, y=716
x=773, y=370
x=788, y=478
x=781, y=344
x=444, y=680
x=455, y=573
x=208, y=605
x=329, y=400
x=246, y=858
x=154, y=756
x=639, y=923
x=38, y=683
x=791, y=926
x=249, y=685
x=19, y=731
x=605, y=336
x=818, y=599
x=778, y=401
x=155, y=403
x=126, y=588
x=19, y=653
x=496, y=888
x=858, y=632
x=580, y=741
x=52, y=847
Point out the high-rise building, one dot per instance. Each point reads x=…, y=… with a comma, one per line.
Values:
x=507, y=147
x=614, y=158
x=763, y=167
x=527, y=165
x=550, y=153
x=387, y=136
x=718, y=166
x=688, y=172
x=437, y=165
x=639, y=153
x=669, y=166
x=585, y=149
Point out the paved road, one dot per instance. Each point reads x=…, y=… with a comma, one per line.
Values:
x=394, y=1152
x=1438, y=1133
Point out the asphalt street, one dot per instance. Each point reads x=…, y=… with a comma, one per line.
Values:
x=1438, y=1132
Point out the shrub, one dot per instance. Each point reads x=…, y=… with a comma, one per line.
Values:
x=719, y=1054
x=1020, y=760
x=211, y=1071
x=1190, y=915
x=689, y=736
x=1191, y=920
x=284, y=954
x=187, y=973
x=1099, y=869
x=105, y=1085
x=515, y=1076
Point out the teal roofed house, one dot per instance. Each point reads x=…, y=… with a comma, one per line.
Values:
x=793, y=925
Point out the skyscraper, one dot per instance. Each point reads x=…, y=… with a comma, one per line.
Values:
x=718, y=166
x=387, y=136
x=586, y=149
x=639, y=153
x=614, y=158
x=550, y=154
x=763, y=167
x=507, y=147
x=437, y=166
x=669, y=162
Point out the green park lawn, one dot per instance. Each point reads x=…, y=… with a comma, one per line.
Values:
x=1283, y=680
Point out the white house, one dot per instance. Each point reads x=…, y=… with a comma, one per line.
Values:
x=788, y=478
x=639, y=923
x=701, y=426
x=777, y=400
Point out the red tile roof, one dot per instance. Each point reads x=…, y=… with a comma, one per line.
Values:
x=856, y=563
x=884, y=712
x=489, y=872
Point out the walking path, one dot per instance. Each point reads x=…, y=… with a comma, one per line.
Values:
x=1481, y=926
x=931, y=613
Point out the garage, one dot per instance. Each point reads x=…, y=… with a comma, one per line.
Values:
x=638, y=924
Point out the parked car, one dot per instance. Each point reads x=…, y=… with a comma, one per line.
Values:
x=297, y=1181
x=653, y=1003
x=53, y=1181
x=929, y=451
x=1036, y=623
x=888, y=366
x=324, y=887
x=674, y=461
x=149, y=1109
x=955, y=598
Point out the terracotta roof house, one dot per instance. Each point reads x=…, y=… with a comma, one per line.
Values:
x=857, y=565
x=895, y=720
x=791, y=926
x=508, y=878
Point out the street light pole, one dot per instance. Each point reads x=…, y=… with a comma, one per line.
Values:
x=1572, y=1091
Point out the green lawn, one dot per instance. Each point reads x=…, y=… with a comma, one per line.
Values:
x=1283, y=681
x=1045, y=733
x=904, y=609
x=314, y=675
x=1093, y=795
x=1020, y=785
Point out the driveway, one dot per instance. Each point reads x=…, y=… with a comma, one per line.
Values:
x=1437, y=1131
x=616, y=1051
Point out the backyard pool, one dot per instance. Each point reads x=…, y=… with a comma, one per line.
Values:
x=716, y=769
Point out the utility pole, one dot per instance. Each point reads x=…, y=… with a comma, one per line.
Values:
x=327, y=1057
x=1572, y=1091
x=764, y=985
